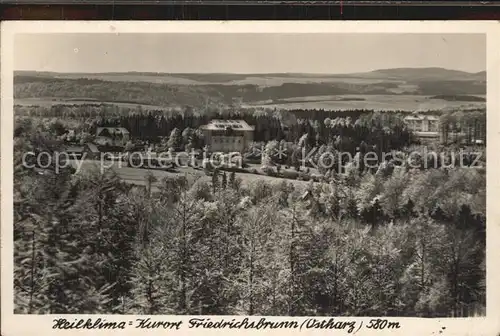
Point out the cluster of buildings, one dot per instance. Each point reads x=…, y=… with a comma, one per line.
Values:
x=220, y=136
x=236, y=135
x=107, y=137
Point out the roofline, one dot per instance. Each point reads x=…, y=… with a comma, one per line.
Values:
x=421, y=118
x=246, y=129
x=245, y=126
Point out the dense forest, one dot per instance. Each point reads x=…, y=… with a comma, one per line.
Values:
x=397, y=241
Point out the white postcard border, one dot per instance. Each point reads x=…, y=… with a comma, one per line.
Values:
x=42, y=324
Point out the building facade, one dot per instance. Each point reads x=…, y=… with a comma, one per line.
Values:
x=77, y=152
x=425, y=127
x=426, y=123
x=227, y=135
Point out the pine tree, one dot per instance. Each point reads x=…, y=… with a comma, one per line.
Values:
x=257, y=243
x=151, y=277
x=62, y=272
x=232, y=180
x=113, y=231
x=30, y=277
x=175, y=139
x=149, y=178
x=187, y=135
x=185, y=220
x=296, y=221
x=224, y=180
x=215, y=181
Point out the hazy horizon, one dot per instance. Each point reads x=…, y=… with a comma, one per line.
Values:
x=248, y=73
x=260, y=53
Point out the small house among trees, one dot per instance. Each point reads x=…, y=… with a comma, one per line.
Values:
x=112, y=136
x=77, y=152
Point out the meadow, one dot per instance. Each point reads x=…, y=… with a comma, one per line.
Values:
x=375, y=102
x=327, y=102
x=263, y=80
x=52, y=101
x=136, y=176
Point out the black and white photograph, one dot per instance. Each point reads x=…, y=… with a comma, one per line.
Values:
x=250, y=174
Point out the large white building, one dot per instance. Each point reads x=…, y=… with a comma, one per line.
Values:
x=227, y=135
x=423, y=123
x=424, y=126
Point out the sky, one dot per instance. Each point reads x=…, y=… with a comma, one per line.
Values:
x=247, y=53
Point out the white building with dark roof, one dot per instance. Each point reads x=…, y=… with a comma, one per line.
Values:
x=227, y=135
x=112, y=136
x=424, y=126
x=77, y=151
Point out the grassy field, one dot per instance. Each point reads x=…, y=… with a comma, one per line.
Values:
x=398, y=75
x=48, y=102
x=263, y=80
x=136, y=175
x=375, y=102
x=334, y=102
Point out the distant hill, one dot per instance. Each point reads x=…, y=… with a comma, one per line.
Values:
x=423, y=74
x=463, y=98
x=404, y=74
x=180, y=89
x=480, y=76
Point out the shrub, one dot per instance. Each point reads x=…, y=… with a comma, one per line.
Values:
x=269, y=171
x=208, y=172
x=252, y=160
x=304, y=177
x=234, y=169
x=317, y=178
x=293, y=175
